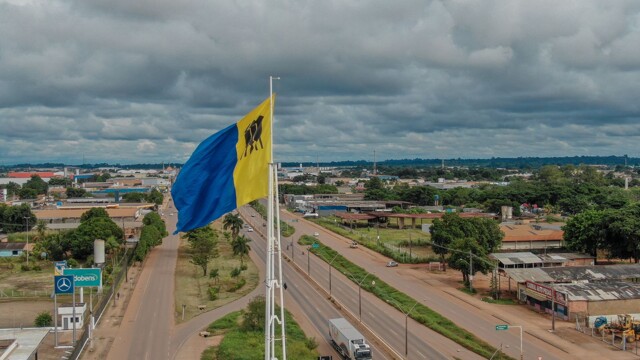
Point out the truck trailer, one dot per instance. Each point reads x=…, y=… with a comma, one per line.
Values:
x=348, y=341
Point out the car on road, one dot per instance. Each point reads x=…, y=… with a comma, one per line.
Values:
x=250, y=229
x=205, y=333
x=353, y=245
x=253, y=215
x=171, y=214
x=316, y=234
x=392, y=264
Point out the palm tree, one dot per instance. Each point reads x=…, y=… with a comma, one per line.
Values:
x=234, y=223
x=241, y=247
x=41, y=229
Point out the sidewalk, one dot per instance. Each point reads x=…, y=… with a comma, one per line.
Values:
x=105, y=332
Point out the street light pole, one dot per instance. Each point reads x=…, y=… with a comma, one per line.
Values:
x=308, y=263
x=331, y=262
x=360, y=296
x=27, y=248
x=406, y=327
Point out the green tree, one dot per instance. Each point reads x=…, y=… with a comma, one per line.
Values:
x=60, y=181
x=240, y=246
x=155, y=196
x=587, y=231
x=17, y=218
x=154, y=219
x=203, y=242
x=134, y=197
x=464, y=250
x=36, y=183
x=27, y=193
x=234, y=223
x=75, y=192
x=94, y=213
x=623, y=233
x=44, y=319
x=254, y=317
x=90, y=229
x=56, y=245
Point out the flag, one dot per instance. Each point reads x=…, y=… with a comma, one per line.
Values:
x=226, y=171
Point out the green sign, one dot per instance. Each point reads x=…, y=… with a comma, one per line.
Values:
x=85, y=277
x=502, y=327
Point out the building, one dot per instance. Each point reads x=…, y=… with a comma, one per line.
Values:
x=514, y=260
x=591, y=291
x=65, y=311
x=10, y=249
x=527, y=236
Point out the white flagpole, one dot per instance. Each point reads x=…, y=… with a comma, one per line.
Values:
x=273, y=243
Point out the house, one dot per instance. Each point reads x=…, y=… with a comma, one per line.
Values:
x=9, y=249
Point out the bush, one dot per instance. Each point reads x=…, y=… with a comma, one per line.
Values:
x=243, y=267
x=44, y=319
x=73, y=263
x=238, y=285
x=37, y=268
x=213, y=292
x=311, y=343
x=25, y=267
x=235, y=272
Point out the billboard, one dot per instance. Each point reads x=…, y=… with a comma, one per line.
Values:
x=85, y=277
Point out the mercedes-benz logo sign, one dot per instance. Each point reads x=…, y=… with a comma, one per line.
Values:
x=64, y=284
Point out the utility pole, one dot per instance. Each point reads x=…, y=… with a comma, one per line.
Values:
x=27, y=248
x=470, y=271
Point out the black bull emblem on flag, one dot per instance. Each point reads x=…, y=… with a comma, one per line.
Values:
x=252, y=136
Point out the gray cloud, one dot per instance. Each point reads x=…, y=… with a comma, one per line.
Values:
x=146, y=81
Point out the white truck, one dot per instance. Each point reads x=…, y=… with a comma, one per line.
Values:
x=348, y=341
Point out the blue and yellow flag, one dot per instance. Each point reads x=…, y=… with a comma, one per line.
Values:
x=226, y=171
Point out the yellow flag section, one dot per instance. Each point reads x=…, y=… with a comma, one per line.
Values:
x=251, y=174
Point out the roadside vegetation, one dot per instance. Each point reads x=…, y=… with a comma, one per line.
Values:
x=286, y=229
x=401, y=301
x=243, y=336
x=211, y=269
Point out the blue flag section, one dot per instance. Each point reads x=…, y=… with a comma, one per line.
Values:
x=227, y=170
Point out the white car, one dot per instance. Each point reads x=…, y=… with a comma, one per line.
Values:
x=316, y=234
x=392, y=264
x=250, y=229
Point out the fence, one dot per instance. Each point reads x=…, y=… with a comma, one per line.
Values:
x=619, y=341
x=24, y=294
x=102, y=305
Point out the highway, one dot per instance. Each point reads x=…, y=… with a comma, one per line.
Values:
x=419, y=287
x=383, y=320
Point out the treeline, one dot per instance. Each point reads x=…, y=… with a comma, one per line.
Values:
x=568, y=189
x=511, y=163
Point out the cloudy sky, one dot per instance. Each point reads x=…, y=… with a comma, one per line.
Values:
x=147, y=80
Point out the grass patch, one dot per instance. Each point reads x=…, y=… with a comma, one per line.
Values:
x=192, y=287
x=242, y=344
x=402, y=302
x=405, y=246
x=31, y=282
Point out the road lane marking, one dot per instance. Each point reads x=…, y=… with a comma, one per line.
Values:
x=421, y=354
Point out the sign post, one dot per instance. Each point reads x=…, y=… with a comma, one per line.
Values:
x=506, y=327
x=63, y=284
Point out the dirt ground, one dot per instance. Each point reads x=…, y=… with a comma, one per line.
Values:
x=22, y=313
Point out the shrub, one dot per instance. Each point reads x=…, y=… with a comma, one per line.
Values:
x=243, y=267
x=25, y=267
x=44, y=319
x=73, y=263
x=37, y=268
x=311, y=343
x=213, y=292
x=235, y=272
x=238, y=285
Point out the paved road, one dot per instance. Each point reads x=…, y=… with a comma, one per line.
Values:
x=421, y=288
x=145, y=331
x=384, y=321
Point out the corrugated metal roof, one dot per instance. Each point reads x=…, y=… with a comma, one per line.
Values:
x=531, y=274
x=609, y=290
x=517, y=258
x=575, y=273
